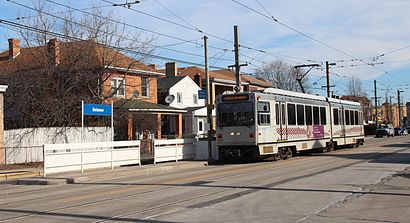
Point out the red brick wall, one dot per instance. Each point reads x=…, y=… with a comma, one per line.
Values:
x=132, y=83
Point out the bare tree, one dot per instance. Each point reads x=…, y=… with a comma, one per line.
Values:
x=48, y=92
x=354, y=87
x=283, y=76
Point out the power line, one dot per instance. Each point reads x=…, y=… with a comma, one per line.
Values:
x=272, y=18
x=196, y=29
x=125, y=50
x=89, y=27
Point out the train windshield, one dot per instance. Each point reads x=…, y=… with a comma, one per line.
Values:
x=236, y=114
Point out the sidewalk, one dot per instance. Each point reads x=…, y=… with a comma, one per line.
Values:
x=34, y=176
x=20, y=173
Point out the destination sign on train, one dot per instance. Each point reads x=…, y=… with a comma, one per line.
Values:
x=240, y=97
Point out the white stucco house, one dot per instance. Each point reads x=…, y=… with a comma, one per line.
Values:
x=182, y=92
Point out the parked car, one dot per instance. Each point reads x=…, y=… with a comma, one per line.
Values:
x=405, y=131
x=385, y=130
x=398, y=131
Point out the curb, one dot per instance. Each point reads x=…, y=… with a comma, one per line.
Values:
x=18, y=175
x=107, y=174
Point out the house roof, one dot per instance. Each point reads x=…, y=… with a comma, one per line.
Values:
x=79, y=53
x=167, y=82
x=221, y=75
x=137, y=105
x=361, y=99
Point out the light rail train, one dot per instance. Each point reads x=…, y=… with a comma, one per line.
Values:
x=278, y=123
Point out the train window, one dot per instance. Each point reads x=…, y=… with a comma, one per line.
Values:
x=356, y=117
x=300, y=114
x=263, y=107
x=347, y=119
x=291, y=114
x=277, y=113
x=336, y=116
x=236, y=114
x=308, y=112
x=263, y=113
x=316, y=120
x=351, y=117
x=323, y=115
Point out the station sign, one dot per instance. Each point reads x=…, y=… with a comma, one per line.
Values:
x=97, y=110
x=202, y=94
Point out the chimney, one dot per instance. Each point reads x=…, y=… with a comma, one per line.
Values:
x=14, y=48
x=153, y=66
x=53, y=50
x=170, y=69
x=197, y=80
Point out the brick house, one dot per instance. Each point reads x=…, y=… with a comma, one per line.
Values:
x=62, y=74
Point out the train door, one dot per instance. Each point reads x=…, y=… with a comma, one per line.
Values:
x=343, y=124
x=281, y=120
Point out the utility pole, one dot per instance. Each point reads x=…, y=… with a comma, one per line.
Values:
x=391, y=113
x=399, y=106
x=208, y=100
x=237, y=65
x=328, y=77
x=375, y=102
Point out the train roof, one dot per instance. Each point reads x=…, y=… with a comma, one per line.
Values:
x=307, y=96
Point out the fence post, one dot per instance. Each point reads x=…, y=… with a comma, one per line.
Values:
x=139, y=150
x=154, y=148
x=112, y=156
x=82, y=154
x=176, y=151
x=44, y=161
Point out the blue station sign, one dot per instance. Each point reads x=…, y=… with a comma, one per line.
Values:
x=202, y=94
x=97, y=110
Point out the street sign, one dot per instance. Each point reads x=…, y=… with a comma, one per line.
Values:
x=202, y=94
x=97, y=110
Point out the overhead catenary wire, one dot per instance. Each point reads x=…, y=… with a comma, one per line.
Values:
x=126, y=38
x=196, y=29
x=272, y=18
x=125, y=50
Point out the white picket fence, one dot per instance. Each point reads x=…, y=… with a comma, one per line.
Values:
x=26, y=145
x=174, y=150
x=81, y=156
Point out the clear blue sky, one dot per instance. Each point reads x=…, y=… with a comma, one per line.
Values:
x=351, y=33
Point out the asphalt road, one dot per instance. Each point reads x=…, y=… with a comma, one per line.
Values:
x=368, y=184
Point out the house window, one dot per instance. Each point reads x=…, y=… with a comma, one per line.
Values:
x=195, y=97
x=118, y=86
x=200, y=126
x=179, y=97
x=144, y=87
